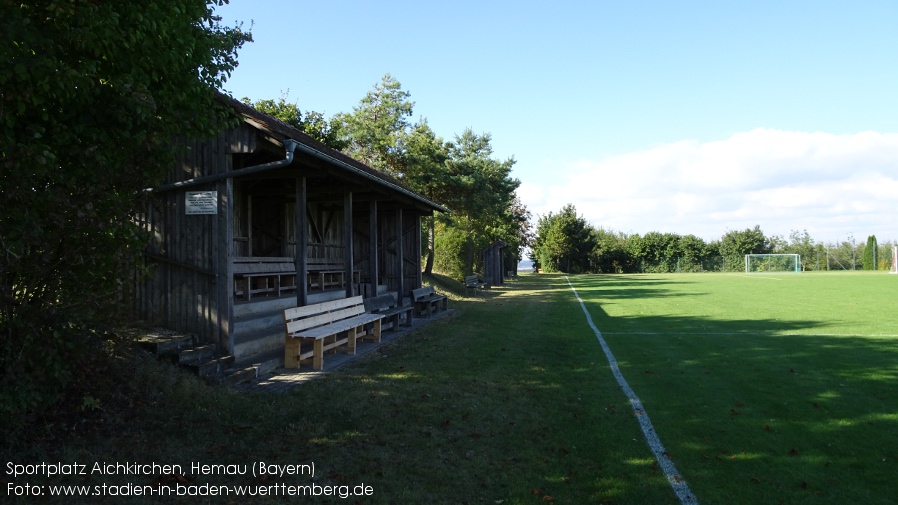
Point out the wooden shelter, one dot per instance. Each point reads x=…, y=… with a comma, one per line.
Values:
x=494, y=263
x=264, y=218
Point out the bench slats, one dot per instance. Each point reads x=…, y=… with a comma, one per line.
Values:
x=426, y=301
x=323, y=319
x=337, y=326
x=326, y=326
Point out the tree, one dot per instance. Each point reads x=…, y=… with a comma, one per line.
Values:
x=312, y=123
x=734, y=245
x=375, y=130
x=519, y=232
x=870, y=253
x=691, y=253
x=610, y=253
x=425, y=172
x=461, y=175
x=480, y=191
x=801, y=243
x=564, y=242
x=93, y=97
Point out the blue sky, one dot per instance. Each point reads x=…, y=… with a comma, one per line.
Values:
x=683, y=117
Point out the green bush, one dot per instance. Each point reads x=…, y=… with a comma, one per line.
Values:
x=450, y=252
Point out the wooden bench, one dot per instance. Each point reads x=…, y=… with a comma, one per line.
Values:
x=327, y=273
x=254, y=276
x=473, y=283
x=315, y=329
x=426, y=301
x=386, y=306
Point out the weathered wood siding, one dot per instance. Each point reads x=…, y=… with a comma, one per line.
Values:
x=186, y=264
x=411, y=242
x=389, y=252
x=189, y=284
x=494, y=263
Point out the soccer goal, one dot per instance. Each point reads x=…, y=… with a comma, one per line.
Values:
x=894, y=267
x=757, y=263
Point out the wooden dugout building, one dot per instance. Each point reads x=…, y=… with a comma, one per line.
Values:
x=263, y=218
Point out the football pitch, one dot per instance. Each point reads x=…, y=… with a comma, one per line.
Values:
x=762, y=388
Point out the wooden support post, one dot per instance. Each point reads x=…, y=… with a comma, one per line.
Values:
x=351, y=337
x=224, y=267
x=373, y=263
x=400, y=262
x=420, y=280
x=291, y=353
x=347, y=246
x=302, y=244
x=318, y=354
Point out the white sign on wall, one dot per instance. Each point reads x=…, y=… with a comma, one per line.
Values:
x=201, y=202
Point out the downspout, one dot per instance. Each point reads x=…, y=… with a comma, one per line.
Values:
x=289, y=148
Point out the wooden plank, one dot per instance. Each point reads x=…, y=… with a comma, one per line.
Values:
x=303, y=327
x=296, y=312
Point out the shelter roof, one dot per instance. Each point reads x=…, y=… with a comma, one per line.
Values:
x=340, y=160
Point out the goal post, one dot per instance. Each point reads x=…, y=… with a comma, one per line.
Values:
x=762, y=263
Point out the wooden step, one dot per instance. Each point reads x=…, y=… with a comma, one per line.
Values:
x=196, y=354
x=210, y=366
x=234, y=376
x=164, y=343
x=184, y=351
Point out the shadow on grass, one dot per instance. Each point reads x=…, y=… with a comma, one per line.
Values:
x=760, y=409
x=512, y=401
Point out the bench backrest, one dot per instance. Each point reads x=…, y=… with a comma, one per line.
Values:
x=380, y=302
x=316, y=264
x=421, y=293
x=263, y=266
x=471, y=279
x=319, y=314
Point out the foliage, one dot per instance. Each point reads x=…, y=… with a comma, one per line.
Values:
x=561, y=239
x=481, y=192
x=425, y=172
x=92, y=102
x=449, y=247
x=870, y=253
x=610, y=253
x=375, y=129
x=734, y=245
x=312, y=123
x=461, y=175
x=564, y=242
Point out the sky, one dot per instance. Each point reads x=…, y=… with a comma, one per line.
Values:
x=688, y=117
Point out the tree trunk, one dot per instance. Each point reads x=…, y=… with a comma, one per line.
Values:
x=431, y=234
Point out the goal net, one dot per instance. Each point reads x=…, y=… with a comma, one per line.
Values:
x=757, y=263
x=894, y=268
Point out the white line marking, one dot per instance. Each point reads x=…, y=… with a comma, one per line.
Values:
x=749, y=333
x=677, y=483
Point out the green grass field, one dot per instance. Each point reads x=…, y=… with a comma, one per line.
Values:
x=763, y=388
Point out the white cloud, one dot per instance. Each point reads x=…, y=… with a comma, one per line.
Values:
x=831, y=185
